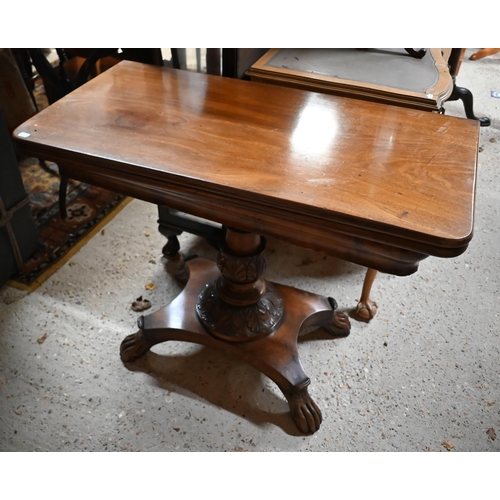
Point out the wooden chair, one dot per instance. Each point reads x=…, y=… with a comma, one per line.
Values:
x=76, y=67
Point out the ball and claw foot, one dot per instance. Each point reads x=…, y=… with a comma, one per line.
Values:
x=133, y=347
x=365, y=310
x=305, y=412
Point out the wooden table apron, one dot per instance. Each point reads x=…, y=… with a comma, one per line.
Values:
x=377, y=185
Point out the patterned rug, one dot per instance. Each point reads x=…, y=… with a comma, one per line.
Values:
x=89, y=209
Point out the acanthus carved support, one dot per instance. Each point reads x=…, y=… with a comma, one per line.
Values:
x=240, y=305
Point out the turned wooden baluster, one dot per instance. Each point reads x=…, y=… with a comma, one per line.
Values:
x=240, y=305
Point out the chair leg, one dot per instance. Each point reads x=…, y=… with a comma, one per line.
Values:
x=63, y=186
x=366, y=308
x=172, y=247
x=172, y=223
x=465, y=95
x=46, y=167
x=483, y=53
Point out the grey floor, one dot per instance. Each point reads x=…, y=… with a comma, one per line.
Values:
x=424, y=372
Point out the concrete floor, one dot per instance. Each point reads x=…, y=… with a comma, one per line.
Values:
x=424, y=372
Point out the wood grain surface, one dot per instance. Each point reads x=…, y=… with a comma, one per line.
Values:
x=379, y=185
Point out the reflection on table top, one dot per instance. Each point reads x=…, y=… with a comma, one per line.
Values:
x=384, y=169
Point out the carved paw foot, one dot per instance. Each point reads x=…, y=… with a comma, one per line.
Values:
x=339, y=326
x=305, y=412
x=365, y=310
x=133, y=347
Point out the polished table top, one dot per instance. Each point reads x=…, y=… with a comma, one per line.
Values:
x=379, y=185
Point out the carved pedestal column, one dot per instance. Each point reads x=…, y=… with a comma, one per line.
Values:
x=240, y=305
x=241, y=314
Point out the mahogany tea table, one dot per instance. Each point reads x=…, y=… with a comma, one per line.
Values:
x=378, y=185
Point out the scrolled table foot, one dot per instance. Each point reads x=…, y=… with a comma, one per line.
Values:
x=305, y=412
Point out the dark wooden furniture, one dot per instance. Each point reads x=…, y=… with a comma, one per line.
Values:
x=77, y=66
x=15, y=99
x=378, y=185
x=236, y=62
x=18, y=234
